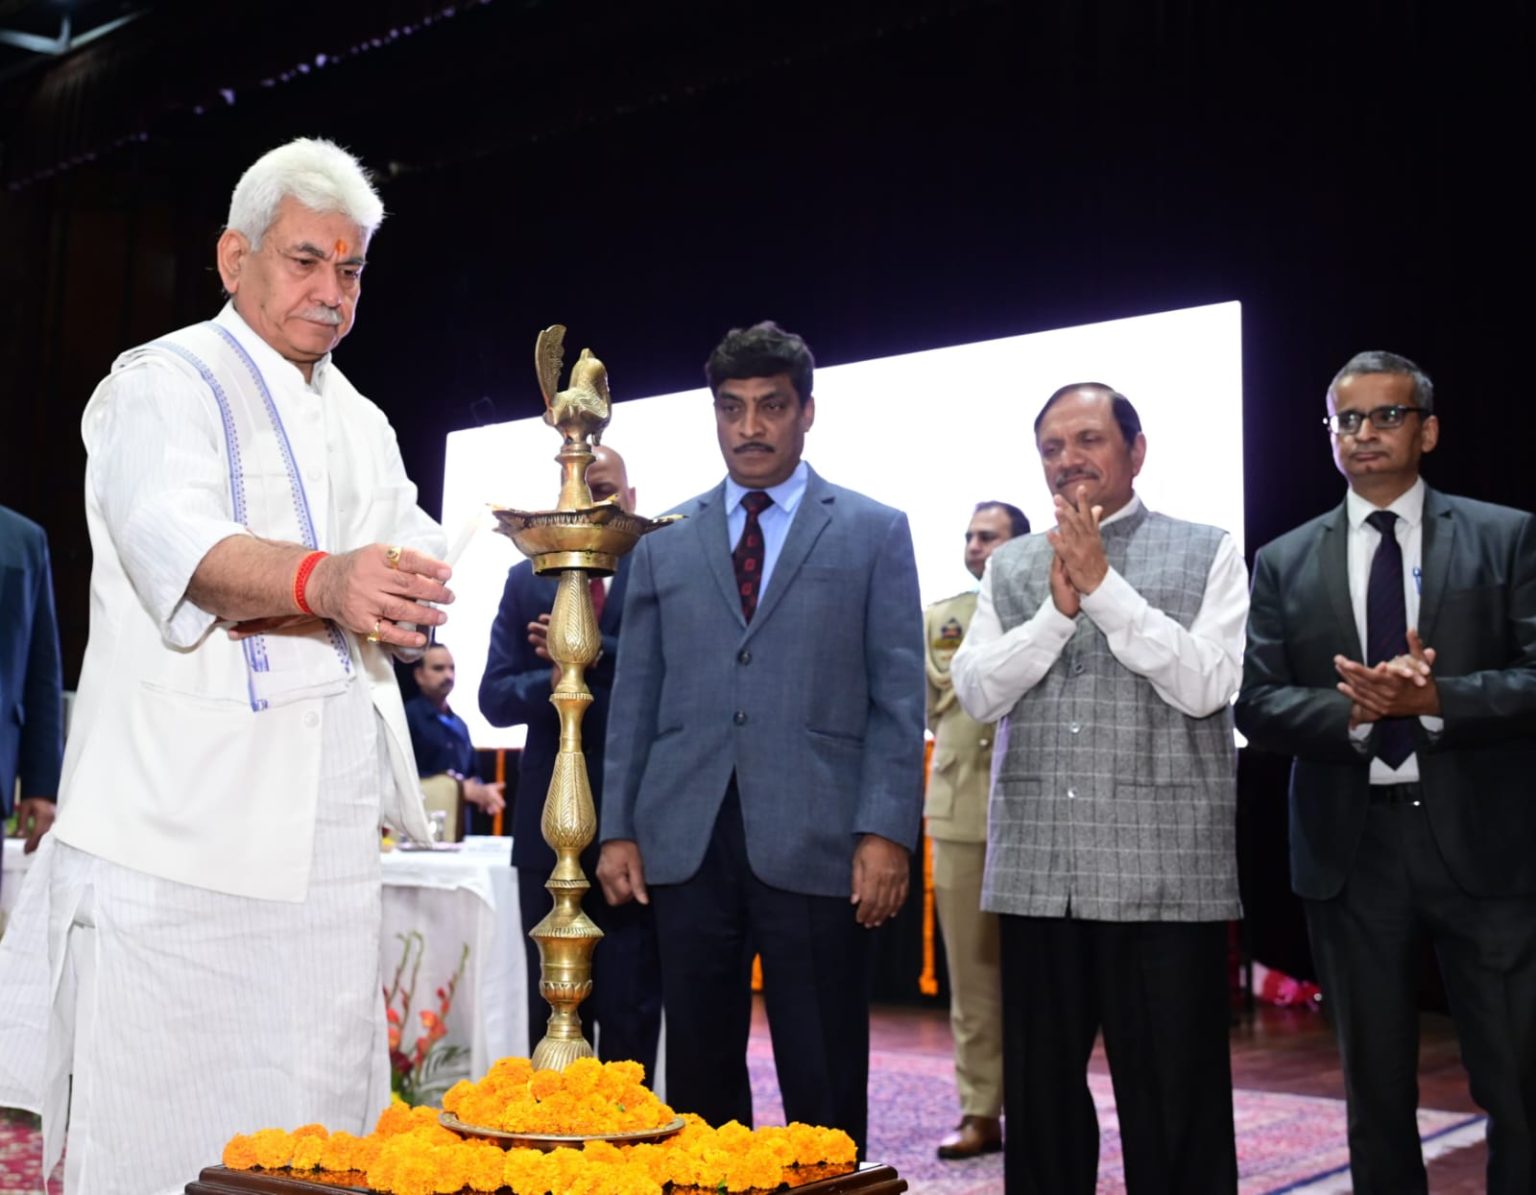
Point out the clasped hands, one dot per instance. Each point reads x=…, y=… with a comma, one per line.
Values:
x=1080, y=563
x=1402, y=687
x=370, y=591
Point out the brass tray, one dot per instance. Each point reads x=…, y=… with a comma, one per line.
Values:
x=549, y=1141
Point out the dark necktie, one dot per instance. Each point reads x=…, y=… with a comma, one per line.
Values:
x=599, y=597
x=1386, y=630
x=748, y=556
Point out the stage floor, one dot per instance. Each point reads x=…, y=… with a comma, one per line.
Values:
x=1286, y=1050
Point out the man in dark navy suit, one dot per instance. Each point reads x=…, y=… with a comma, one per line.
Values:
x=31, y=706
x=625, y=1004
x=439, y=737
x=1392, y=652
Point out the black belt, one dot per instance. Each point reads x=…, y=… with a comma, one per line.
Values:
x=1397, y=794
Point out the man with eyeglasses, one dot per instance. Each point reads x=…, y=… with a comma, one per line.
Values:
x=1392, y=652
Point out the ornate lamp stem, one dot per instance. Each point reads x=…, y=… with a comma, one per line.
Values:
x=579, y=540
x=567, y=936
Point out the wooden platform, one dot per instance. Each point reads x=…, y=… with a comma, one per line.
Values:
x=868, y=1179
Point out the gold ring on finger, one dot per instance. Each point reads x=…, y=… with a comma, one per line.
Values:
x=392, y=556
x=373, y=635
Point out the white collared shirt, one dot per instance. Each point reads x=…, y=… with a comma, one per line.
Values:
x=774, y=521
x=1196, y=670
x=1363, y=541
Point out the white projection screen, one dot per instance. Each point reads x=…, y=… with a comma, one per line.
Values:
x=931, y=432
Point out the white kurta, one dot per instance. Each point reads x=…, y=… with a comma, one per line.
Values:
x=200, y=1014
x=212, y=916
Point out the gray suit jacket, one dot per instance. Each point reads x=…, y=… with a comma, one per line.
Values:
x=1478, y=611
x=817, y=706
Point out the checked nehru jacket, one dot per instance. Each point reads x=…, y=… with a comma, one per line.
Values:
x=1110, y=804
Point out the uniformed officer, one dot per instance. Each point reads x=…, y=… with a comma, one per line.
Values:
x=956, y=810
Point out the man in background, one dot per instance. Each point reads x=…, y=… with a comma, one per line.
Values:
x=1392, y=653
x=959, y=780
x=1111, y=647
x=764, y=771
x=439, y=737
x=624, y=1008
x=31, y=691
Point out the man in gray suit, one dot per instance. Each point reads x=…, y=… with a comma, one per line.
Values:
x=1110, y=647
x=763, y=783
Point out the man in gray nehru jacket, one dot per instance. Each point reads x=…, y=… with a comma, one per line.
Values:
x=1109, y=649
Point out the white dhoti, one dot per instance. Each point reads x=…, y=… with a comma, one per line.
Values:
x=186, y=1016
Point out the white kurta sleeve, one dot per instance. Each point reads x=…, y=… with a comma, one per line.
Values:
x=993, y=667
x=401, y=520
x=158, y=472
x=1196, y=670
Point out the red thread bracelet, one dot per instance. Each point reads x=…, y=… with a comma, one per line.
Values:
x=301, y=579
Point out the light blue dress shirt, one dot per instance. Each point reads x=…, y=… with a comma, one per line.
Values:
x=774, y=521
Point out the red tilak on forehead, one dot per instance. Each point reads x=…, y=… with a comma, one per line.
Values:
x=341, y=248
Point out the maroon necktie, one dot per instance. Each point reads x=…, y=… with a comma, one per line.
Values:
x=748, y=556
x=599, y=596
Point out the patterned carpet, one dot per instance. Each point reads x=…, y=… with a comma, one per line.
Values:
x=21, y=1151
x=1286, y=1143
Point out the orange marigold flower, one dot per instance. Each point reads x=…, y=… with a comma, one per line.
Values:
x=339, y=1151
x=307, y=1152
x=455, y=1094
x=273, y=1148
x=394, y=1119
x=239, y=1153
x=485, y=1166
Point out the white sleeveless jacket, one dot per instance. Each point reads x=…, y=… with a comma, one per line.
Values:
x=192, y=756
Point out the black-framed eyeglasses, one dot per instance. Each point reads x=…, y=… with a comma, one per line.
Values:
x=1347, y=423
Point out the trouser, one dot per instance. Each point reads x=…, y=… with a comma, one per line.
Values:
x=815, y=987
x=1159, y=992
x=1368, y=941
x=973, y=955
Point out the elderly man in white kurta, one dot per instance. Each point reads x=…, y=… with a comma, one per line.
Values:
x=212, y=893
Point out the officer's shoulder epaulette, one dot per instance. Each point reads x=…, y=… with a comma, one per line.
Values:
x=951, y=598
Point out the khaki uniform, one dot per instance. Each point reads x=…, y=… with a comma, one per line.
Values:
x=956, y=809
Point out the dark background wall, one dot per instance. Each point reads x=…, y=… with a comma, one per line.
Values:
x=881, y=177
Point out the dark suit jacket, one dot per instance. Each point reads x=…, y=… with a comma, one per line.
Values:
x=1478, y=611
x=31, y=702
x=437, y=747
x=816, y=706
x=515, y=689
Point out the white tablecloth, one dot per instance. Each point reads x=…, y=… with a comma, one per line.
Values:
x=12, y=870
x=454, y=899
x=451, y=899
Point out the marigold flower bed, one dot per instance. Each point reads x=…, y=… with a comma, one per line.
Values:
x=410, y=1153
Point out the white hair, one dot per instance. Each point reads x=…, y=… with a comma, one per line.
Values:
x=319, y=174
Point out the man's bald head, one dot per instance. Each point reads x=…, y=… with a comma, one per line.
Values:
x=608, y=478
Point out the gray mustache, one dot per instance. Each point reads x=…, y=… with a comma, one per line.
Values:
x=322, y=315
